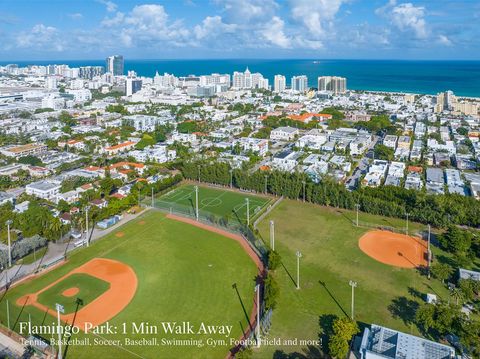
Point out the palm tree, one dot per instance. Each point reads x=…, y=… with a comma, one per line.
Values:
x=55, y=226
x=457, y=294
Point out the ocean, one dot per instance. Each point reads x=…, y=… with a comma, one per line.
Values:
x=424, y=77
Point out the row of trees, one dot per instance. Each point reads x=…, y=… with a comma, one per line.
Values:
x=437, y=210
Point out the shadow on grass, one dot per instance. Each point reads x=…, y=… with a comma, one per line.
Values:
x=78, y=302
x=291, y=278
x=403, y=308
x=324, y=285
x=415, y=293
x=309, y=352
x=234, y=286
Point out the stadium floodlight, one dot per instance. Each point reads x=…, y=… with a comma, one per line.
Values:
x=266, y=181
x=358, y=208
x=353, y=284
x=87, y=208
x=198, y=167
x=429, y=253
x=8, y=314
x=406, y=228
x=272, y=235
x=231, y=178
x=299, y=255
x=196, y=202
x=247, y=201
x=60, y=309
x=8, y=223
x=257, y=291
x=303, y=183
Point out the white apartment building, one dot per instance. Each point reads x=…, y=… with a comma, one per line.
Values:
x=256, y=145
x=299, y=83
x=390, y=141
x=44, y=189
x=280, y=83
x=335, y=84
x=284, y=133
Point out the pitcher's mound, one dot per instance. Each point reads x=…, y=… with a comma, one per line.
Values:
x=70, y=292
x=395, y=249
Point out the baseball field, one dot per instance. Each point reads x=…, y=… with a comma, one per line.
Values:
x=388, y=290
x=149, y=275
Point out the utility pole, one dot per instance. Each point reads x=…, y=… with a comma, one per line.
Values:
x=353, y=284
x=86, y=225
x=358, y=208
x=299, y=255
x=257, y=290
x=9, y=222
x=248, y=211
x=272, y=235
x=196, y=202
x=59, y=309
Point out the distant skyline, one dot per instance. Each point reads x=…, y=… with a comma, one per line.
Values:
x=229, y=29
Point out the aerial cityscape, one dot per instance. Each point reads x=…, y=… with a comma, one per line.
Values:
x=240, y=179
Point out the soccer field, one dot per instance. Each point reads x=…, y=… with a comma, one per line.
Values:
x=331, y=257
x=222, y=203
x=184, y=275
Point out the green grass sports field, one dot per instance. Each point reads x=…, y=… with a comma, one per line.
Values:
x=185, y=274
x=330, y=259
x=213, y=201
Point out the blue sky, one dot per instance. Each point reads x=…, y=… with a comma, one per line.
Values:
x=340, y=29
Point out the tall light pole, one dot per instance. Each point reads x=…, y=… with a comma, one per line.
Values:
x=9, y=222
x=358, y=208
x=266, y=181
x=153, y=202
x=231, y=178
x=248, y=210
x=303, y=182
x=196, y=202
x=198, y=167
x=257, y=290
x=429, y=256
x=86, y=225
x=406, y=230
x=59, y=309
x=353, y=284
x=272, y=235
x=299, y=255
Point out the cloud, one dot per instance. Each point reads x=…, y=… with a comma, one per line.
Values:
x=110, y=5
x=213, y=26
x=406, y=18
x=247, y=11
x=274, y=33
x=444, y=40
x=75, y=16
x=40, y=37
x=317, y=16
x=146, y=24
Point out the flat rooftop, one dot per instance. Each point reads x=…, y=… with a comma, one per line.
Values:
x=389, y=343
